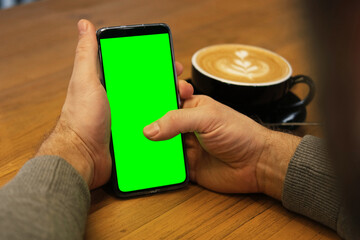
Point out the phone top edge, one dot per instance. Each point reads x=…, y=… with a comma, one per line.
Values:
x=114, y=31
x=133, y=25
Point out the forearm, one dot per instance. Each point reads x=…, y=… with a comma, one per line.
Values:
x=273, y=162
x=300, y=173
x=64, y=142
x=47, y=199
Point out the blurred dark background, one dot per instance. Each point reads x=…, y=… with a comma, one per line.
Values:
x=335, y=29
x=11, y=3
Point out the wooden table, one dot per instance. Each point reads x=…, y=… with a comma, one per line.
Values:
x=37, y=46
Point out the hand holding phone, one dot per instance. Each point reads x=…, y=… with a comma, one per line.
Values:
x=138, y=73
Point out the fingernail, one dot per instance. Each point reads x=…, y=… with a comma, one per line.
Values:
x=82, y=26
x=152, y=129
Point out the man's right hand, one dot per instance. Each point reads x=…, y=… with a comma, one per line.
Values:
x=227, y=151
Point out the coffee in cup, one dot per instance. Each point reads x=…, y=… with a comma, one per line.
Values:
x=245, y=77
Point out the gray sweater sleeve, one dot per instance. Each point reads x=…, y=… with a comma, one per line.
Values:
x=47, y=199
x=311, y=187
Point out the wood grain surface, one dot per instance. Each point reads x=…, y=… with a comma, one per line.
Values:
x=37, y=46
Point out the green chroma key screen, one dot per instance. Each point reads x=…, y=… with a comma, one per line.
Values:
x=140, y=85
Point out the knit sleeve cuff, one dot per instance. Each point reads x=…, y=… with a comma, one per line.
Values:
x=47, y=199
x=53, y=175
x=310, y=186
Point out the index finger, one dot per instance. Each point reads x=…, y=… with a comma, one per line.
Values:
x=186, y=90
x=179, y=68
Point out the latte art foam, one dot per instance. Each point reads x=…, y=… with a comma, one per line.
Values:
x=242, y=63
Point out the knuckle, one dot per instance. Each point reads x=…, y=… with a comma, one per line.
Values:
x=213, y=110
x=205, y=98
x=80, y=53
x=83, y=48
x=172, y=117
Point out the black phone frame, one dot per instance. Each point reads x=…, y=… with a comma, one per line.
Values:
x=138, y=30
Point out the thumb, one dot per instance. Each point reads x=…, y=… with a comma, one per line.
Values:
x=178, y=121
x=86, y=52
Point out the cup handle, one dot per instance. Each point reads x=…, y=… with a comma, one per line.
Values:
x=302, y=79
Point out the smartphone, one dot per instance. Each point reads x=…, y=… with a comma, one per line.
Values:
x=139, y=76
